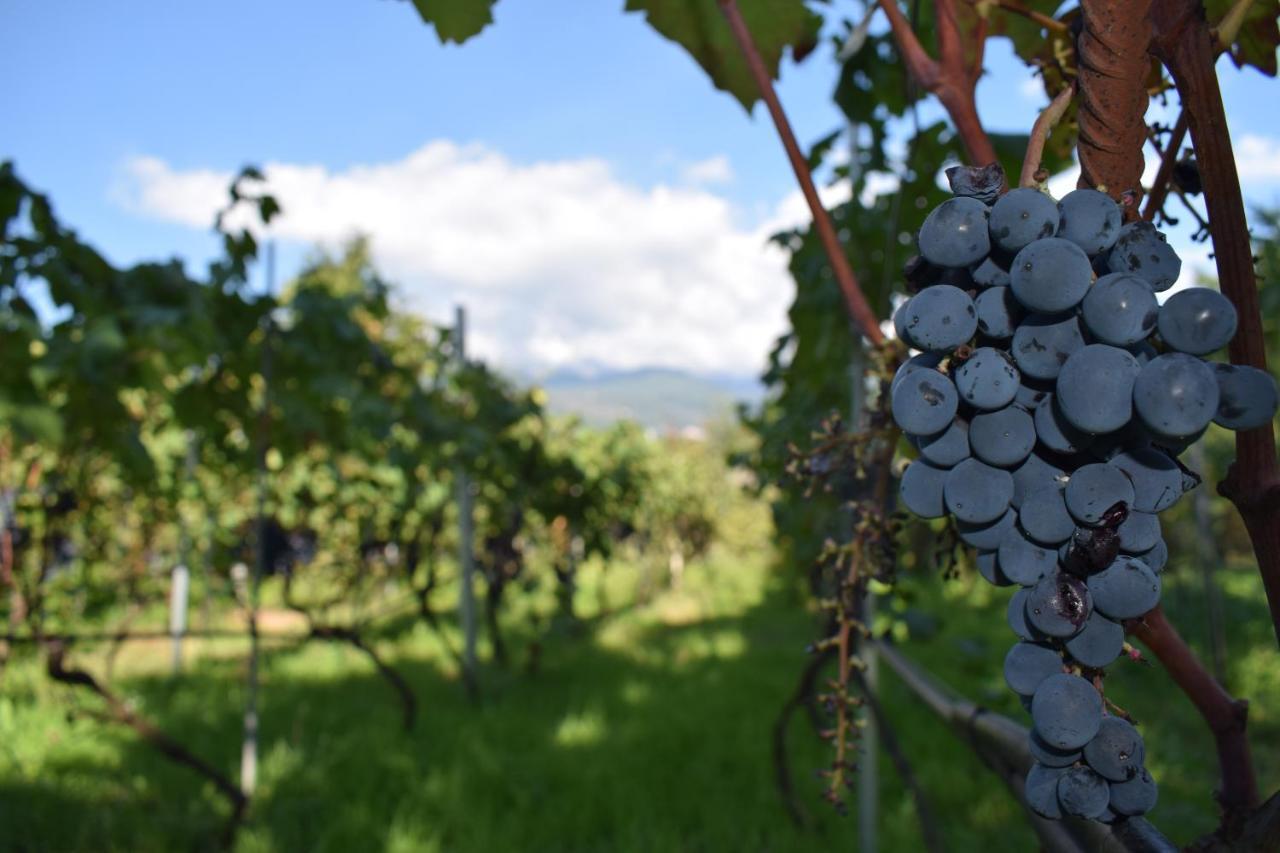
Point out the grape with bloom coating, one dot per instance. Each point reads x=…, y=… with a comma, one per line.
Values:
x=1051, y=275
x=1120, y=309
x=1090, y=219
x=940, y=318
x=1095, y=388
x=988, y=379
x=1197, y=320
x=1021, y=216
x=1176, y=395
x=954, y=234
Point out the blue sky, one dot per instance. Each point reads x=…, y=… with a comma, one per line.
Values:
x=569, y=174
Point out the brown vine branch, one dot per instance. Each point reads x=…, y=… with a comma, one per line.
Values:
x=408, y=701
x=161, y=741
x=1113, y=65
x=855, y=301
x=952, y=81
x=1185, y=44
x=1226, y=716
x=1040, y=131
x=1164, y=177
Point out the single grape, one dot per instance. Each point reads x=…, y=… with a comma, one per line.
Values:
x=1157, y=558
x=1059, y=605
x=1116, y=751
x=1247, y=397
x=1095, y=388
x=940, y=318
x=1083, y=793
x=976, y=492
x=1126, y=589
x=1043, y=343
x=1050, y=275
x=1176, y=395
x=1033, y=475
x=1197, y=321
x=1025, y=562
x=923, y=361
x=954, y=234
x=1049, y=756
x=1137, y=796
x=1003, y=438
x=921, y=489
x=1055, y=432
x=987, y=380
x=998, y=313
x=900, y=326
x=1156, y=478
x=1139, y=532
x=947, y=448
x=989, y=273
x=989, y=567
x=1099, y=643
x=1041, y=790
x=925, y=402
x=1021, y=216
x=1044, y=516
x=1142, y=250
x=1016, y=615
x=1120, y=309
x=1066, y=711
x=1095, y=488
x=1028, y=664
x=987, y=536
x=1090, y=219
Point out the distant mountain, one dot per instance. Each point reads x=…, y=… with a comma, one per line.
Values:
x=659, y=398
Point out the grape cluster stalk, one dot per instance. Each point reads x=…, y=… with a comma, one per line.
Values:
x=1049, y=401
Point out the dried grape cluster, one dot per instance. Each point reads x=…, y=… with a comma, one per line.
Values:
x=1049, y=402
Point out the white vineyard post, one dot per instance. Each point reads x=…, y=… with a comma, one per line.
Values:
x=179, y=590
x=249, y=746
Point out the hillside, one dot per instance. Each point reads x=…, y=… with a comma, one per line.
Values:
x=658, y=398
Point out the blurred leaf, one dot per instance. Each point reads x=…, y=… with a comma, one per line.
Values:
x=455, y=20
x=700, y=28
x=1259, y=35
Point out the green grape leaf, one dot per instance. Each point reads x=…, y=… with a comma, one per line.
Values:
x=700, y=28
x=1259, y=35
x=455, y=20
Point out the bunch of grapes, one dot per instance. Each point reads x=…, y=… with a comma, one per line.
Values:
x=1051, y=398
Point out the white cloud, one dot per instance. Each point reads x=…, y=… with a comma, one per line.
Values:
x=557, y=262
x=1032, y=89
x=1258, y=157
x=713, y=170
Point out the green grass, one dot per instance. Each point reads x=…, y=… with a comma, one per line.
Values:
x=649, y=730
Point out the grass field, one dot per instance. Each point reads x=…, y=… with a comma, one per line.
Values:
x=647, y=731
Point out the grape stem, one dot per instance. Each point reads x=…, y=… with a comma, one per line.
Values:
x=1184, y=42
x=1040, y=131
x=1164, y=177
x=950, y=78
x=1225, y=715
x=855, y=301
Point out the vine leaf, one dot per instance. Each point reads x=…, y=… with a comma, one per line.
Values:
x=699, y=27
x=1259, y=34
x=455, y=20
